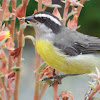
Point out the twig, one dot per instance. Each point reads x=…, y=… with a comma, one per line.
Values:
x=17, y=75
x=11, y=27
x=7, y=91
x=39, y=5
x=2, y=12
x=79, y=8
x=7, y=25
x=66, y=11
x=43, y=89
x=55, y=90
x=18, y=62
x=36, y=87
x=96, y=90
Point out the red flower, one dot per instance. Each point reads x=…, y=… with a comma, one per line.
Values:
x=46, y=71
x=65, y=95
x=4, y=34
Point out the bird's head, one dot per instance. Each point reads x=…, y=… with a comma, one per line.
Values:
x=45, y=22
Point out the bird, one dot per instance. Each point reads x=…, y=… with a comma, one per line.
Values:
x=64, y=49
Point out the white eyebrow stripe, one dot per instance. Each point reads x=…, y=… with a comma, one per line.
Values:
x=48, y=16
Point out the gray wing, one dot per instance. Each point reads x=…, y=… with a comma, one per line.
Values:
x=74, y=43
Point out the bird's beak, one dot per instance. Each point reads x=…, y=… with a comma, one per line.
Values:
x=29, y=18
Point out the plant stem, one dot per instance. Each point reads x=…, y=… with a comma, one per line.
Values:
x=96, y=90
x=39, y=5
x=36, y=87
x=43, y=89
x=4, y=2
x=7, y=91
x=55, y=91
x=79, y=8
x=66, y=11
x=12, y=28
x=18, y=62
x=37, y=64
x=17, y=75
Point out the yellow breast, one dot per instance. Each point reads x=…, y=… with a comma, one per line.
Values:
x=51, y=55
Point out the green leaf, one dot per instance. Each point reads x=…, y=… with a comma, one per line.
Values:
x=23, y=41
x=31, y=38
x=71, y=13
x=44, y=64
x=16, y=69
x=54, y=5
x=63, y=1
x=1, y=9
x=2, y=76
x=23, y=25
x=1, y=43
x=92, y=85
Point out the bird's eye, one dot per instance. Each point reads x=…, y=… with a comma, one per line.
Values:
x=43, y=18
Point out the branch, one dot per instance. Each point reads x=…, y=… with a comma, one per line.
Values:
x=18, y=62
x=4, y=86
x=39, y=5
x=66, y=11
x=55, y=90
x=2, y=12
x=43, y=89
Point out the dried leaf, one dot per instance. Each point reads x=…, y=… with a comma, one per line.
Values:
x=19, y=13
x=54, y=5
x=66, y=95
x=56, y=13
x=15, y=53
x=35, y=11
x=72, y=24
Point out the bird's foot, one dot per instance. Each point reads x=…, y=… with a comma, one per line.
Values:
x=57, y=78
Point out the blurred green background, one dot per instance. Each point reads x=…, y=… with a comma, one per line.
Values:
x=89, y=20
